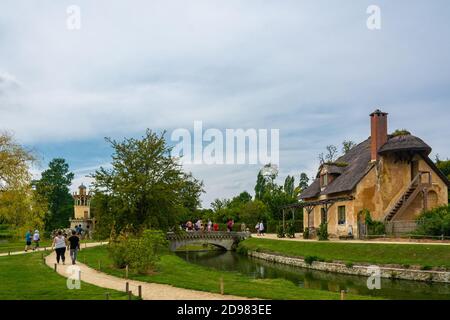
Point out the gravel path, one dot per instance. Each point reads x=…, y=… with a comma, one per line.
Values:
x=150, y=291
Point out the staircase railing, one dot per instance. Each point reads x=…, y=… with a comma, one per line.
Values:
x=406, y=199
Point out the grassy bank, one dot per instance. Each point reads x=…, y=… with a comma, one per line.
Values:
x=407, y=255
x=175, y=271
x=25, y=277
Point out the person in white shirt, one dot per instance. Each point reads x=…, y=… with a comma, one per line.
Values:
x=261, y=228
x=60, y=244
x=36, y=239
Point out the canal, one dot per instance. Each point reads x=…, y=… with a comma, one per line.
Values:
x=318, y=280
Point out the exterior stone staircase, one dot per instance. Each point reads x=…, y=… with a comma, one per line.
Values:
x=411, y=192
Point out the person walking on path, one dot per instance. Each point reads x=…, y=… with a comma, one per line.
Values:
x=257, y=229
x=28, y=237
x=74, y=246
x=36, y=239
x=261, y=228
x=60, y=244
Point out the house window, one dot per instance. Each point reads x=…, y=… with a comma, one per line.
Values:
x=325, y=180
x=323, y=215
x=341, y=215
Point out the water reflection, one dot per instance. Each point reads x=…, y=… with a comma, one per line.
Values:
x=319, y=280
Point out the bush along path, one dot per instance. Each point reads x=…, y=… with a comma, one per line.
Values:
x=147, y=291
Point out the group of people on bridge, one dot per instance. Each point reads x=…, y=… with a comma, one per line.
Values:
x=200, y=226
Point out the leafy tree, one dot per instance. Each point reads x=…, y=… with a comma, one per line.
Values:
x=20, y=205
x=54, y=186
x=219, y=204
x=289, y=187
x=347, y=145
x=304, y=182
x=444, y=166
x=146, y=187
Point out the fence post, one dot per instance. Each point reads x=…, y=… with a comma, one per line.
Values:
x=129, y=295
x=342, y=295
x=127, y=286
x=56, y=267
x=140, y=291
x=221, y=286
x=107, y=296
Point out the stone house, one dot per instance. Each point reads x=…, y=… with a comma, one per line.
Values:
x=392, y=176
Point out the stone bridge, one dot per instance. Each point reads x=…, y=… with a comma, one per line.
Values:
x=223, y=240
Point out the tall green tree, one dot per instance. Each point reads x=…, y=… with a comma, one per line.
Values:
x=289, y=186
x=146, y=187
x=54, y=186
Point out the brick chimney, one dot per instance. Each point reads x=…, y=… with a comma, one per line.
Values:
x=379, y=129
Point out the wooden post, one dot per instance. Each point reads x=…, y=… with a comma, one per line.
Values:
x=221, y=286
x=9, y=253
x=127, y=287
x=140, y=291
x=126, y=272
x=107, y=296
x=56, y=267
x=129, y=295
x=342, y=295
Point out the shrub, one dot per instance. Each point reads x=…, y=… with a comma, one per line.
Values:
x=376, y=228
x=322, y=233
x=349, y=265
x=280, y=231
x=310, y=259
x=306, y=234
x=434, y=222
x=290, y=230
x=426, y=268
x=139, y=253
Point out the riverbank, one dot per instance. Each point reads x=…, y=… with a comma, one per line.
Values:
x=172, y=270
x=397, y=261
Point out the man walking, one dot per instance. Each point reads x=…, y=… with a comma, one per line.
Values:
x=74, y=246
x=36, y=239
x=28, y=238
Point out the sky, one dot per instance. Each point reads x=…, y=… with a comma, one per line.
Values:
x=311, y=69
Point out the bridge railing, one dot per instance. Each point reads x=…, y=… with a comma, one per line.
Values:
x=207, y=235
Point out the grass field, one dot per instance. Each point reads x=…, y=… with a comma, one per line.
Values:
x=175, y=271
x=437, y=256
x=25, y=277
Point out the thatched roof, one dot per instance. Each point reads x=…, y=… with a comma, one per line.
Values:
x=405, y=143
x=359, y=164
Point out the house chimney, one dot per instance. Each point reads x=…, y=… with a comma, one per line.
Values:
x=379, y=132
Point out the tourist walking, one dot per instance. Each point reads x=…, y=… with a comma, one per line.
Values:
x=216, y=227
x=36, y=239
x=257, y=229
x=230, y=225
x=209, y=225
x=28, y=237
x=60, y=244
x=261, y=228
x=74, y=246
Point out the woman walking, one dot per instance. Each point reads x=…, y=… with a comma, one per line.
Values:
x=36, y=239
x=60, y=244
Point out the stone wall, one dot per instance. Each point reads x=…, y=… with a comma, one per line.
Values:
x=358, y=270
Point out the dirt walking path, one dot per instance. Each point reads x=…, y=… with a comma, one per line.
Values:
x=150, y=291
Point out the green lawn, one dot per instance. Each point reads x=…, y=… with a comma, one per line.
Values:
x=175, y=271
x=370, y=253
x=25, y=277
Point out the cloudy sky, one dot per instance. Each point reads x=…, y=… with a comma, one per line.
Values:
x=311, y=69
